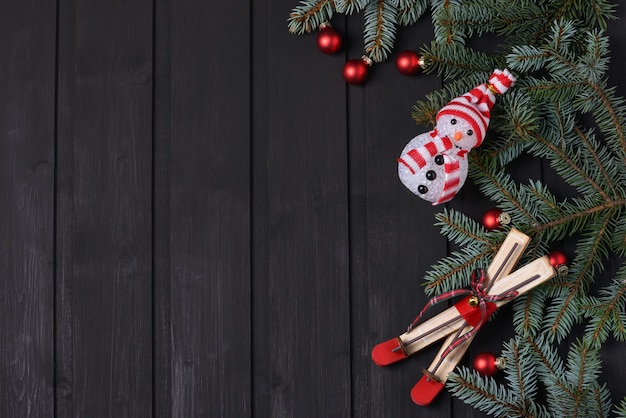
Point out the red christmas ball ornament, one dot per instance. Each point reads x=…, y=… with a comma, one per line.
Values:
x=329, y=41
x=488, y=364
x=559, y=261
x=409, y=62
x=495, y=218
x=355, y=71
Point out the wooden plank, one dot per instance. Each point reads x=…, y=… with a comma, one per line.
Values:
x=162, y=284
x=104, y=294
x=27, y=33
x=301, y=267
x=393, y=240
x=202, y=210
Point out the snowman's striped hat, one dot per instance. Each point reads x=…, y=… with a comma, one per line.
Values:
x=475, y=106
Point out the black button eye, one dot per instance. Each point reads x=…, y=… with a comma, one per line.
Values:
x=470, y=132
x=422, y=189
x=453, y=121
x=439, y=159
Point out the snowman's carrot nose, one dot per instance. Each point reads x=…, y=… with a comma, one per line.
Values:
x=458, y=136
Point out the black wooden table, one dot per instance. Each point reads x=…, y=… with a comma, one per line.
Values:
x=201, y=219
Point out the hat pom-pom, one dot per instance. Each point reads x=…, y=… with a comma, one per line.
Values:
x=500, y=81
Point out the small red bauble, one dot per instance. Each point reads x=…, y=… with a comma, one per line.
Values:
x=559, y=261
x=488, y=364
x=355, y=71
x=329, y=41
x=409, y=62
x=495, y=218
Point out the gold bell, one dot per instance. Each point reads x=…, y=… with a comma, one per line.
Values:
x=473, y=301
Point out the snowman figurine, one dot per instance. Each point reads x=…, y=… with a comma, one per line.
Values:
x=433, y=165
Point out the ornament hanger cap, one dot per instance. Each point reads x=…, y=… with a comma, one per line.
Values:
x=325, y=24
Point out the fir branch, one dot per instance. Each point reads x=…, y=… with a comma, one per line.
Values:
x=556, y=91
x=560, y=157
x=350, y=6
x=498, y=187
x=409, y=11
x=559, y=318
x=511, y=19
x=380, y=29
x=507, y=149
x=581, y=361
x=528, y=310
x=545, y=199
x=452, y=60
x=459, y=22
x=577, y=214
x=527, y=58
x=601, y=401
x=595, y=13
x=618, y=242
x=605, y=312
x=595, y=60
x=520, y=371
x=531, y=58
x=596, y=159
x=552, y=368
x=584, y=368
x=454, y=271
x=564, y=33
x=519, y=377
x=620, y=411
x=309, y=15
x=615, y=118
x=485, y=395
x=462, y=230
x=617, y=121
x=443, y=34
x=513, y=115
x=595, y=151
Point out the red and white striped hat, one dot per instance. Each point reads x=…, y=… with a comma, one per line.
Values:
x=475, y=106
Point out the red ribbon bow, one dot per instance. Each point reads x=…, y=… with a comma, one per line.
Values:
x=477, y=284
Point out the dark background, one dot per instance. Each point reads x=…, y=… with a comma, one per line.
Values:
x=201, y=219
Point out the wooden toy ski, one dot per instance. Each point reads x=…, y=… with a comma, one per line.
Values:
x=433, y=381
x=460, y=323
x=450, y=320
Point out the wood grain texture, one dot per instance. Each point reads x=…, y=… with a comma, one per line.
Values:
x=393, y=240
x=162, y=283
x=104, y=361
x=301, y=297
x=201, y=218
x=27, y=49
x=202, y=211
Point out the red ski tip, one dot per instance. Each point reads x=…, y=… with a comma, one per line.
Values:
x=383, y=354
x=425, y=391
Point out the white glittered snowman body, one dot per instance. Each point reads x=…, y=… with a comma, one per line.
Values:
x=444, y=172
x=434, y=165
